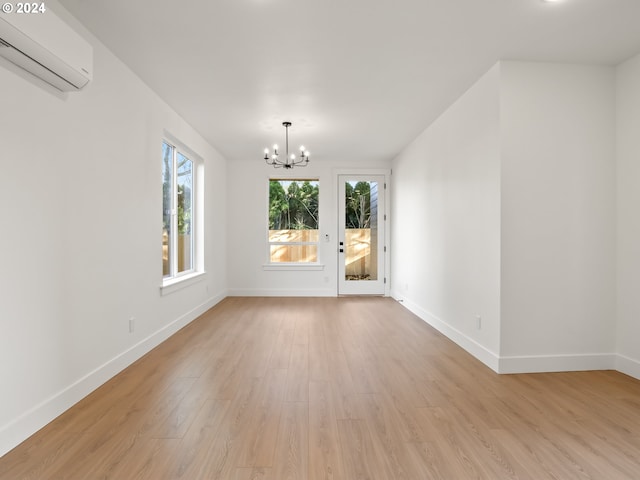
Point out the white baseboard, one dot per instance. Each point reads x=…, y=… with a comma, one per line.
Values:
x=557, y=363
x=18, y=430
x=283, y=292
x=486, y=356
x=628, y=366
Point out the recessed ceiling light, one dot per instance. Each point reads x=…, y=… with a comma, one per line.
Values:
x=551, y=1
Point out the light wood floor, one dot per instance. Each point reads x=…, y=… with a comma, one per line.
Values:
x=334, y=388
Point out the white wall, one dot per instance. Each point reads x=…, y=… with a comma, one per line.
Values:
x=248, y=225
x=558, y=216
x=628, y=149
x=445, y=218
x=81, y=236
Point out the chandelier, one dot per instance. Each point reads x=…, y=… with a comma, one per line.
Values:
x=290, y=160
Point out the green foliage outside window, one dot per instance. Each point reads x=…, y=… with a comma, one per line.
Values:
x=295, y=208
x=184, y=210
x=358, y=205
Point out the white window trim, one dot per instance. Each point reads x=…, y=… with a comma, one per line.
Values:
x=197, y=273
x=173, y=284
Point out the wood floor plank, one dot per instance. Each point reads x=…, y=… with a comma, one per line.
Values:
x=298, y=374
x=360, y=457
x=301, y=331
x=541, y=448
x=318, y=350
x=97, y=457
x=188, y=460
x=281, y=353
x=146, y=460
x=261, y=436
x=345, y=399
x=221, y=457
x=318, y=364
x=387, y=439
x=156, y=420
x=292, y=449
x=44, y=452
x=430, y=460
x=331, y=389
x=177, y=421
x=325, y=458
x=258, y=473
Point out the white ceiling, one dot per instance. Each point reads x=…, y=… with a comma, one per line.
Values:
x=359, y=79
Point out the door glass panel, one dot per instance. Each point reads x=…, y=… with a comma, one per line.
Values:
x=361, y=231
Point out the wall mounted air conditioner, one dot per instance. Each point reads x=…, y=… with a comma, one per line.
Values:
x=45, y=46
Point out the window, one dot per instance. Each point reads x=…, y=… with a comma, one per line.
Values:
x=178, y=180
x=293, y=221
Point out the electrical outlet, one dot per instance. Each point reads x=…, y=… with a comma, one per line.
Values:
x=132, y=324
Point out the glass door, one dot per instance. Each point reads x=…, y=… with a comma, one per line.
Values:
x=361, y=236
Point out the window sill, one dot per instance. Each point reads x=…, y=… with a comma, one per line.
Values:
x=171, y=285
x=293, y=266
